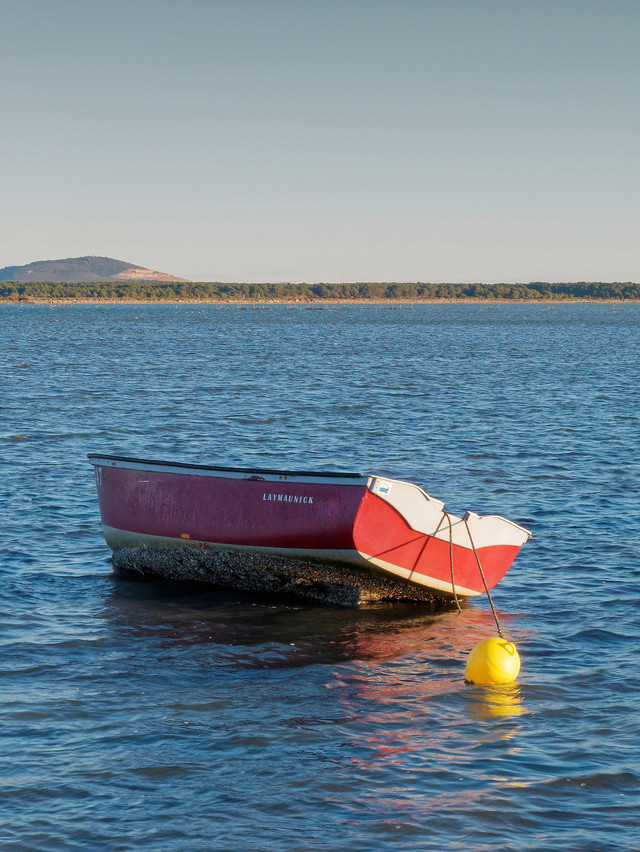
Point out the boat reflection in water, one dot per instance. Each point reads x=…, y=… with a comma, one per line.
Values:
x=374, y=659
x=421, y=662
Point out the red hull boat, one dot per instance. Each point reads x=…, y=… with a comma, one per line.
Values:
x=374, y=523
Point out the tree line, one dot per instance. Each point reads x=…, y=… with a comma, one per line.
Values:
x=205, y=291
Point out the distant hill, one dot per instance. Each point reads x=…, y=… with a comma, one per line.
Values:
x=77, y=270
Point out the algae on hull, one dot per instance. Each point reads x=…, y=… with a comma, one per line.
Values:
x=336, y=585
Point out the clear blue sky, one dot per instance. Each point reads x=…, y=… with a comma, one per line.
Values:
x=335, y=140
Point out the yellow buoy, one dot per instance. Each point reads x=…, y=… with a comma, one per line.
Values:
x=493, y=660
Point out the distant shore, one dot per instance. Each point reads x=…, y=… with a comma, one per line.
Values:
x=310, y=303
x=287, y=293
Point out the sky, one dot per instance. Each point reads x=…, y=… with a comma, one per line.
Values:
x=324, y=140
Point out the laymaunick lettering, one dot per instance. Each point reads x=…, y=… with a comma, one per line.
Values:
x=287, y=498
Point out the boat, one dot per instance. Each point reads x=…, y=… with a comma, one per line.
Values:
x=373, y=524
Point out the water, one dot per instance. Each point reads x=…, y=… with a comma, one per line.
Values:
x=152, y=716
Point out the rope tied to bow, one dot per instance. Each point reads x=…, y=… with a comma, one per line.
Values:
x=484, y=581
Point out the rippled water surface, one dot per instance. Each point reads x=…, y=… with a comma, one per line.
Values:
x=158, y=716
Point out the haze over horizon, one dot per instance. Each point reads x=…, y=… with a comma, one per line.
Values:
x=336, y=141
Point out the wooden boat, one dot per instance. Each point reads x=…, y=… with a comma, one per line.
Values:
x=373, y=523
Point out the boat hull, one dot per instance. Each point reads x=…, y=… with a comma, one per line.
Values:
x=375, y=524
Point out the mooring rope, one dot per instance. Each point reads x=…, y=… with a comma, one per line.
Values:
x=453, y=583
x=486, y=588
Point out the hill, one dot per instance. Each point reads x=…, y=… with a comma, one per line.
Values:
x=77, y=270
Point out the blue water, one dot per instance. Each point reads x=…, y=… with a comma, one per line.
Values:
x=144, y=715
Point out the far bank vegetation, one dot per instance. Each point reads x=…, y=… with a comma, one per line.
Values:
x=202, y=291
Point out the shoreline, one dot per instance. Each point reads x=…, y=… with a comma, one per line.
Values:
x=310, y=303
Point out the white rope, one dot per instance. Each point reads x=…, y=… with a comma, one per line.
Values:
x=453, y=584
x=475, y=553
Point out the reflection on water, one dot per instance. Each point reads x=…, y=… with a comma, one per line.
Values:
x=406, y=655
x=500, y=700
x=196, y=613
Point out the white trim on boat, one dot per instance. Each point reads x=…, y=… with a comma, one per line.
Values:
x=361, y=480
x=425, y=514
x=119, y=539
x=432, y=583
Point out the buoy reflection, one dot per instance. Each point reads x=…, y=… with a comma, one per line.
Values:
x=486, y=702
